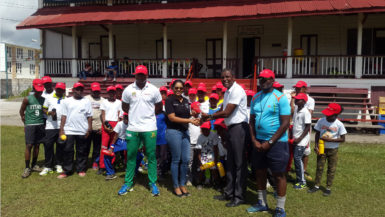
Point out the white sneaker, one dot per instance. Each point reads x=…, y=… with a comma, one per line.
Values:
x=45, y=171
x=59, y=169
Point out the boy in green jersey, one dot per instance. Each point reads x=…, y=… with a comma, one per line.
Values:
x=31, y=113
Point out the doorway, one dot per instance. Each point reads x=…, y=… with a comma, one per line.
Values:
x=214, y=57
x=251, y=50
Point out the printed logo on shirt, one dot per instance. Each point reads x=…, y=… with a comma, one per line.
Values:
x=333, y=129
x=133, y=94
x=129, y=135
x=153, y=135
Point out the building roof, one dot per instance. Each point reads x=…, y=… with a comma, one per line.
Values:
x=49, y=17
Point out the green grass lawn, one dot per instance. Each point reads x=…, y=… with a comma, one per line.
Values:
x=358, y=190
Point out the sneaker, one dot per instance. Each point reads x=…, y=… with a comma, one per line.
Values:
x=110, y=177
x=62, y=176
x=100, y=171
x=307, y=176
x=199, y=187
x=95, y=166
x=26, y=173
x=154, y=190
x=258, y=208
x=36, y=168
x=59, y=169
x=299, y=186
x=82, y=174
x=188, y=183
x=279, y=212
x=312, y=190
x=124, y=189
x=327, y=192
x=45, y=171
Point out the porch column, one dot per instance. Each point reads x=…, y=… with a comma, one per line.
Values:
x=224, y=49
x=358, y=68
x=110, y=43
x=164, y=65
x=41, y=55
x=74, y=70
x=289, y=59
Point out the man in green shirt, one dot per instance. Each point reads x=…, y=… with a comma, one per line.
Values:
x=31, y=113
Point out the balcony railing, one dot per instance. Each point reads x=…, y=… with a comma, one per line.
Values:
x=373, y=66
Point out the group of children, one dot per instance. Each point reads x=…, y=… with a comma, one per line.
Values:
x=42, y=115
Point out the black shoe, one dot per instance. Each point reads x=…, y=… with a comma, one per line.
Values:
x=100, y=172
x=327, y=192
x=222, y=197
x=312, y=190
x=234, y=203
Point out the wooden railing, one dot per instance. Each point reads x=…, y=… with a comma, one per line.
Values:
x=57, y=67
x=373, y=66
x=275, y=63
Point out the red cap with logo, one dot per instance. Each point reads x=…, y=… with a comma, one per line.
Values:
x=301, y=96
x=300, y=84
x=95, y=86
x=219, y=85
x=46, y=79
x=119, y=86
x=224, y=89
x=196, y=106
x=111, y=88
x=214, y=88
x=170, y=92
x=332, y=109
x=266, y=73
x=276, y=84
x=192, y=91
x=60, y=85
x=141, y=69
x=214, y=96
x=206, y=125
x=78, y=84
x=220, y=122
x=163, y=88
x=250, y=93
x=188, y=82
x=202, y=88
x=38, y=85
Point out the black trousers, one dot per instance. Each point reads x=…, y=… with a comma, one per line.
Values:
x=51, y=137
x=161, y=159
x=96, y=139
x=236, y=164
x=81, y=154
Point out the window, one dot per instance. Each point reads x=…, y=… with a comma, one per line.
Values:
x=9, y=51
x=31, y=68
x=18, y=67
x=30, y=54
x=9, y=67
x=19, y=53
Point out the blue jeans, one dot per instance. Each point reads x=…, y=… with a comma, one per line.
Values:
x=298, y=154
x=83, y=75
x=179, y=144
x=109, y=167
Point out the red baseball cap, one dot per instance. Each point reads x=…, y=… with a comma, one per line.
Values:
x=276, y=84
x=202, y=84
x=95, y=86
x=111, y=88
x=300, y=84
x=118, y=86
x=78, y=84
x=192, y=91
x=206, y=125
x=220, y=122
x=163, y=88
x=202, y=88
x=141, y=69
x=170, y=92
x=214, y=96
x=266, y=73
x=219, y=85
x=196, y=106
x=38, y=85
x=125, y=114
x=301, y=96
x=224, y=89
x=250, y=93
x=332, y=109
x=188, y=82
x=46, y=79
x=60, y=85
x=214, y=88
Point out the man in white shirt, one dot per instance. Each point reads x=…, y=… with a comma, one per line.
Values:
x=141, y=100
x=52, y=109
x=76, y=124
x=48, y=89
x=234, y=111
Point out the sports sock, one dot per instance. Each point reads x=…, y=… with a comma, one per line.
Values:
x=27, y=164
x=281, y=202
x=262, y=197
x=34, y=160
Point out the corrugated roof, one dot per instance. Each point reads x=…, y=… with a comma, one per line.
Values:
x=194, y=12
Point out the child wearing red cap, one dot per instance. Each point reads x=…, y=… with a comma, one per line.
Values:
x=207, y=151
x=332, y=131
x=31, y=113
x=213, y=100
x=301, y=136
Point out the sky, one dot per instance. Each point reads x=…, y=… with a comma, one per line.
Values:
x=12, y=12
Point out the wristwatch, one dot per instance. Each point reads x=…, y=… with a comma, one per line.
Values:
x=270, y=142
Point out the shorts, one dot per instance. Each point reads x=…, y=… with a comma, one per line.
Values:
x=307, y=151
x=275, y=158
x=34, y=134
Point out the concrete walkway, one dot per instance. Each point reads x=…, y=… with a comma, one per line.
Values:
x=9, y=115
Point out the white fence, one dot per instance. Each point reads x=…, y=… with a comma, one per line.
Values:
x=373, y=66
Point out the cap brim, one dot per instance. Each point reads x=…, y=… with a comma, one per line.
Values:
x=38, y=88
x=327, y=112
x=140, y=73
x=63, y=88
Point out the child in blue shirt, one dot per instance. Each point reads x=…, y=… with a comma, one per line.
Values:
x=161, y=144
